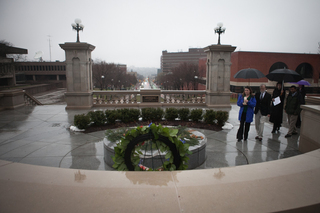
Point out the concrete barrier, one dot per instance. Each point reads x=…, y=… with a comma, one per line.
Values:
x=287, y=185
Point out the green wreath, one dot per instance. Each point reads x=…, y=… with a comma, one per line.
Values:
x=156, y=131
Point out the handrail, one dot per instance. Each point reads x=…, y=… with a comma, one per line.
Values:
x=30, y=100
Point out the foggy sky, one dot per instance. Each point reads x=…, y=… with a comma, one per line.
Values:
x=135, y=32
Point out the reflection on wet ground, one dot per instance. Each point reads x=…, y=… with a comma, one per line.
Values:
x=40, y=135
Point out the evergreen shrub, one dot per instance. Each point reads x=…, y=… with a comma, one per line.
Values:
x=222, y=117
x=196, y=115
x=81, y=121
x=171, y=114
x=210, y=116
x=97, y=117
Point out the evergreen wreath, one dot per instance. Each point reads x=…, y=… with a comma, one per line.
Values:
x=166, y=140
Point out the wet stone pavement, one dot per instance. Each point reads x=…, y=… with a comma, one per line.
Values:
x=40, y=135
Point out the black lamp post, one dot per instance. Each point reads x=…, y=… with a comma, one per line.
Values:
x=77, y=26
x=219, y=30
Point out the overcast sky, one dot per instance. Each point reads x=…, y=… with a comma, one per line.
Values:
x=134, y=32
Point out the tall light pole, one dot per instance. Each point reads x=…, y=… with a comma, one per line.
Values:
x=77, y=26
x=102, y=83
x=219, y=30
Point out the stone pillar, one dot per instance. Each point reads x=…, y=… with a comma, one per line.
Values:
x=218, y=75
x=58, y=78
x=79, y=75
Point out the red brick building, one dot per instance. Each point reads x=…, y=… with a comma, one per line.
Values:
x=307, y=65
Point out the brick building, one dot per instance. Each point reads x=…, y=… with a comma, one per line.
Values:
x=307, y=65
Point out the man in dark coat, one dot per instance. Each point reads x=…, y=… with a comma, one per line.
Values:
x=292, y=108
x=262, y=110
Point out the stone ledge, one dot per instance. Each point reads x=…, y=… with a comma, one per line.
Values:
x=287, y=185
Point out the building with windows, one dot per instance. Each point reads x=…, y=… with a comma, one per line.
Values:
x=307, y=65
x=39, y=72
x=7, y=69
x=170, y=60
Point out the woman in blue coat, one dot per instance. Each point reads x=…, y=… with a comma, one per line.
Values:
x=246, y=102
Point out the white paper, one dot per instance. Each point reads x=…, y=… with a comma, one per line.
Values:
x=276, y=101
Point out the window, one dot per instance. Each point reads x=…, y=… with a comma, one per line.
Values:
x=278, y=65
x=305, y=70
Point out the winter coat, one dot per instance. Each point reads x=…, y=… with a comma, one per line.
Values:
x=293, y=104
x=250, y=110
x=264, y=104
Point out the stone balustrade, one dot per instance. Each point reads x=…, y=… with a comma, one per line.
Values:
x=158, y=98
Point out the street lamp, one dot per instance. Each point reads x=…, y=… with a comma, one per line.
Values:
x=112, y=84
x=195, y=80
x=102, y=78
x=77, y=26
x=219, y=30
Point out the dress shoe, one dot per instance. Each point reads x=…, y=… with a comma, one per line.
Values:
x=257, y=137
x=287, y=136
x=294, y=133
x=239, y=140
x=273, y=131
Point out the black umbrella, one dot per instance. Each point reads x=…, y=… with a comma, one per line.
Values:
x=249, y=73
x=284, y=75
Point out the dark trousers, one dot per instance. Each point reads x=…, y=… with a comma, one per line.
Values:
x=243, y=126
x=298, y=124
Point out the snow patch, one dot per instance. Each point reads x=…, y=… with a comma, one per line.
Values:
x=227, y=126
x=75, y=129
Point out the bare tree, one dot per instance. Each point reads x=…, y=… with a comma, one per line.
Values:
x=181, y=77
x=110, y=75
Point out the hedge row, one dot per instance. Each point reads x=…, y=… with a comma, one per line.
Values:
x=99, y=118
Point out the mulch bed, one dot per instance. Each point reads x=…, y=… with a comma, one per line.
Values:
x=198, y=125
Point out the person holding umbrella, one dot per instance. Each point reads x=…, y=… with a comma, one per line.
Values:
x=246, y=102
x=277, y=110
x=281, y=75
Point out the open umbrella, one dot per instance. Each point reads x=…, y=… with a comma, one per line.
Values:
x=249, y=73
x=284, y=75
x=302, y=82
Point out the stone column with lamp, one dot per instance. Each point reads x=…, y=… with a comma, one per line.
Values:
x=218, y=73
x=78, y=72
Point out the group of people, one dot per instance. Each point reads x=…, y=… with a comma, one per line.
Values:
x=264, y=107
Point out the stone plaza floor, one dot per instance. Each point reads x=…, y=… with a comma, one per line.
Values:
x=40, y=135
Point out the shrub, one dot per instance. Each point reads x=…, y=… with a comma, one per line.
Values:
x=184, y=114
x=222, y=117
x=81, y=121
x=97, y=117
x=135, y=114
x=196, y=115
x=111, y=116
x=128, y=115
x=210, y=116
x=152, y=114
x=171, y=114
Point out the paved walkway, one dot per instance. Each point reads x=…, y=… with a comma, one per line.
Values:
x=40, y=135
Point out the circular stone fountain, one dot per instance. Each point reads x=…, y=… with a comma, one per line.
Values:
x=196, y=159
